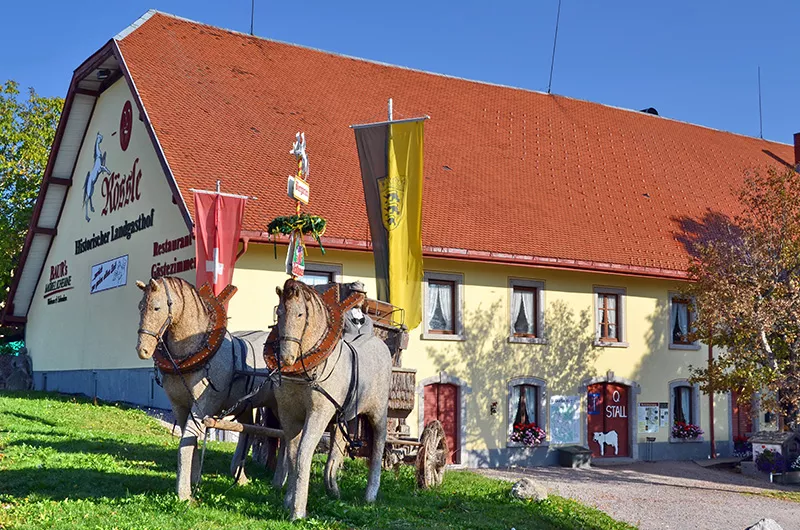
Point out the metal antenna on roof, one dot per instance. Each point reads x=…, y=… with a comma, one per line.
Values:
x=760, y=119
x=252, y=14
x=555, y=39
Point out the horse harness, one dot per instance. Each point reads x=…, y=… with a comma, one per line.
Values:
x=304, y=368
x=215, y=333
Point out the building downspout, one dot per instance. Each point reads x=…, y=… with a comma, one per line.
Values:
x=711, y=401
x=245, y=241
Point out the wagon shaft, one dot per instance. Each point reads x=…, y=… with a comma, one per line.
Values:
x=242, y=427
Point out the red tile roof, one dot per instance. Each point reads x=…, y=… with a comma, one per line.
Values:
x=511, y=175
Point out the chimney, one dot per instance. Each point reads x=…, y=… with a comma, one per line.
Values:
x=797, y=150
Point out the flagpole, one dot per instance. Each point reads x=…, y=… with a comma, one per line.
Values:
x=363, y=125
x=390, y=109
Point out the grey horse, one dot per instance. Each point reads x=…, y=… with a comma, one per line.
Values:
x=305, y=412
x=173, y=308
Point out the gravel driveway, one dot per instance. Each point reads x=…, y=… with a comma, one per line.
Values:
x=662, y=495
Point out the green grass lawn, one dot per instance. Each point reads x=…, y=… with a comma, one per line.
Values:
x=67, y=463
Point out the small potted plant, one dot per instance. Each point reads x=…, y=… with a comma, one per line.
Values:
x=528, y=434
x=771, y=462
x=686, y=431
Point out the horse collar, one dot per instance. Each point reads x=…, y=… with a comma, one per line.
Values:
x=335, y=311
x=215, y=333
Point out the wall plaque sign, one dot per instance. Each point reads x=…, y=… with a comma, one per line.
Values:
x=565, y=419
x=109, y=274
x=60, y=282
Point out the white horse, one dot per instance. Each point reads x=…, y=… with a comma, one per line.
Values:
x=98, y=169
x=173, y=313
x=607, y=438
x=355, y=379
x=299, y=152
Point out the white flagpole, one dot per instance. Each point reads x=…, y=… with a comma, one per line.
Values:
x=219, y=192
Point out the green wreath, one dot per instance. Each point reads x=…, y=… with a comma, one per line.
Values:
x=306, y=224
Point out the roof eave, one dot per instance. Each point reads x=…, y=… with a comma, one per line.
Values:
x=492, y=258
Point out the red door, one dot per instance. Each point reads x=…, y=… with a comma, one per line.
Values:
x=607, y=413
x=441, y=403
x=741, y=415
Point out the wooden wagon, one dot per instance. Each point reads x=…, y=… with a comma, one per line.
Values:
x=428, y=453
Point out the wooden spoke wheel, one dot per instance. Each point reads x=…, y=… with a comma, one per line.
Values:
x=432, y=456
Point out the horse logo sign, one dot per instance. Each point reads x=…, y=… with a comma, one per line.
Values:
x=392, y=190
x=98, y=168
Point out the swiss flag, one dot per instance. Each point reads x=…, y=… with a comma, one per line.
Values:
x=218, y=221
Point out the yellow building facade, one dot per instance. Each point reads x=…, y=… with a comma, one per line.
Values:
x=595, y=359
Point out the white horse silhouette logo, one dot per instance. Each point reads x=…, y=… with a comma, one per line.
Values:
x=98, y=169
x=299, y=152
x=607, y=438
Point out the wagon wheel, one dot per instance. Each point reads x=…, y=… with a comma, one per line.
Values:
x=432, y=455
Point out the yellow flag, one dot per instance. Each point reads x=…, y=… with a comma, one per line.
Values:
x=401, y=205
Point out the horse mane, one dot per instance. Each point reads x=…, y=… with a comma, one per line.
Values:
x=293, y=288
x=180, y=288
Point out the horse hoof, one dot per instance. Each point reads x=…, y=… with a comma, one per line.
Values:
x=242, y=481
x=187, y=499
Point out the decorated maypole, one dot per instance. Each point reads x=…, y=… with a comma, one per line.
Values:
x=300, y=224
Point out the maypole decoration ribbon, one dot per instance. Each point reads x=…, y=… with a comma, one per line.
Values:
x=300, y=224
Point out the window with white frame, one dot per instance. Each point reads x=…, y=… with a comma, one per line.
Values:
x=526, y=404
x=321, y=273
x=442, y=315
x=684, y=406
x=527, y=399
x=681, y=320
x=527, y=311
x=609, y=316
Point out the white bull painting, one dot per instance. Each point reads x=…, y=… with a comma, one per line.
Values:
x=607, y=438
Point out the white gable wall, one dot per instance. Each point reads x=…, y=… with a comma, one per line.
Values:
x=72, y=329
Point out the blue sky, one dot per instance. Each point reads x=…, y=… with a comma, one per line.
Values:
x=694, y=61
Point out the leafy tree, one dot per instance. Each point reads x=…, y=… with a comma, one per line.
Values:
x=27, y=130
x=746, y=274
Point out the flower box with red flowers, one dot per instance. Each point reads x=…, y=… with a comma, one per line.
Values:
x=528, y=434
x=686, y=431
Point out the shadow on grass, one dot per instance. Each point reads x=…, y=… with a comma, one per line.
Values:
x=28, y=417
x=69, y=473
x=163, y=457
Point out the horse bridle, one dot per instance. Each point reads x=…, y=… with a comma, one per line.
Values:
x=159, y=336
x=294, y=339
